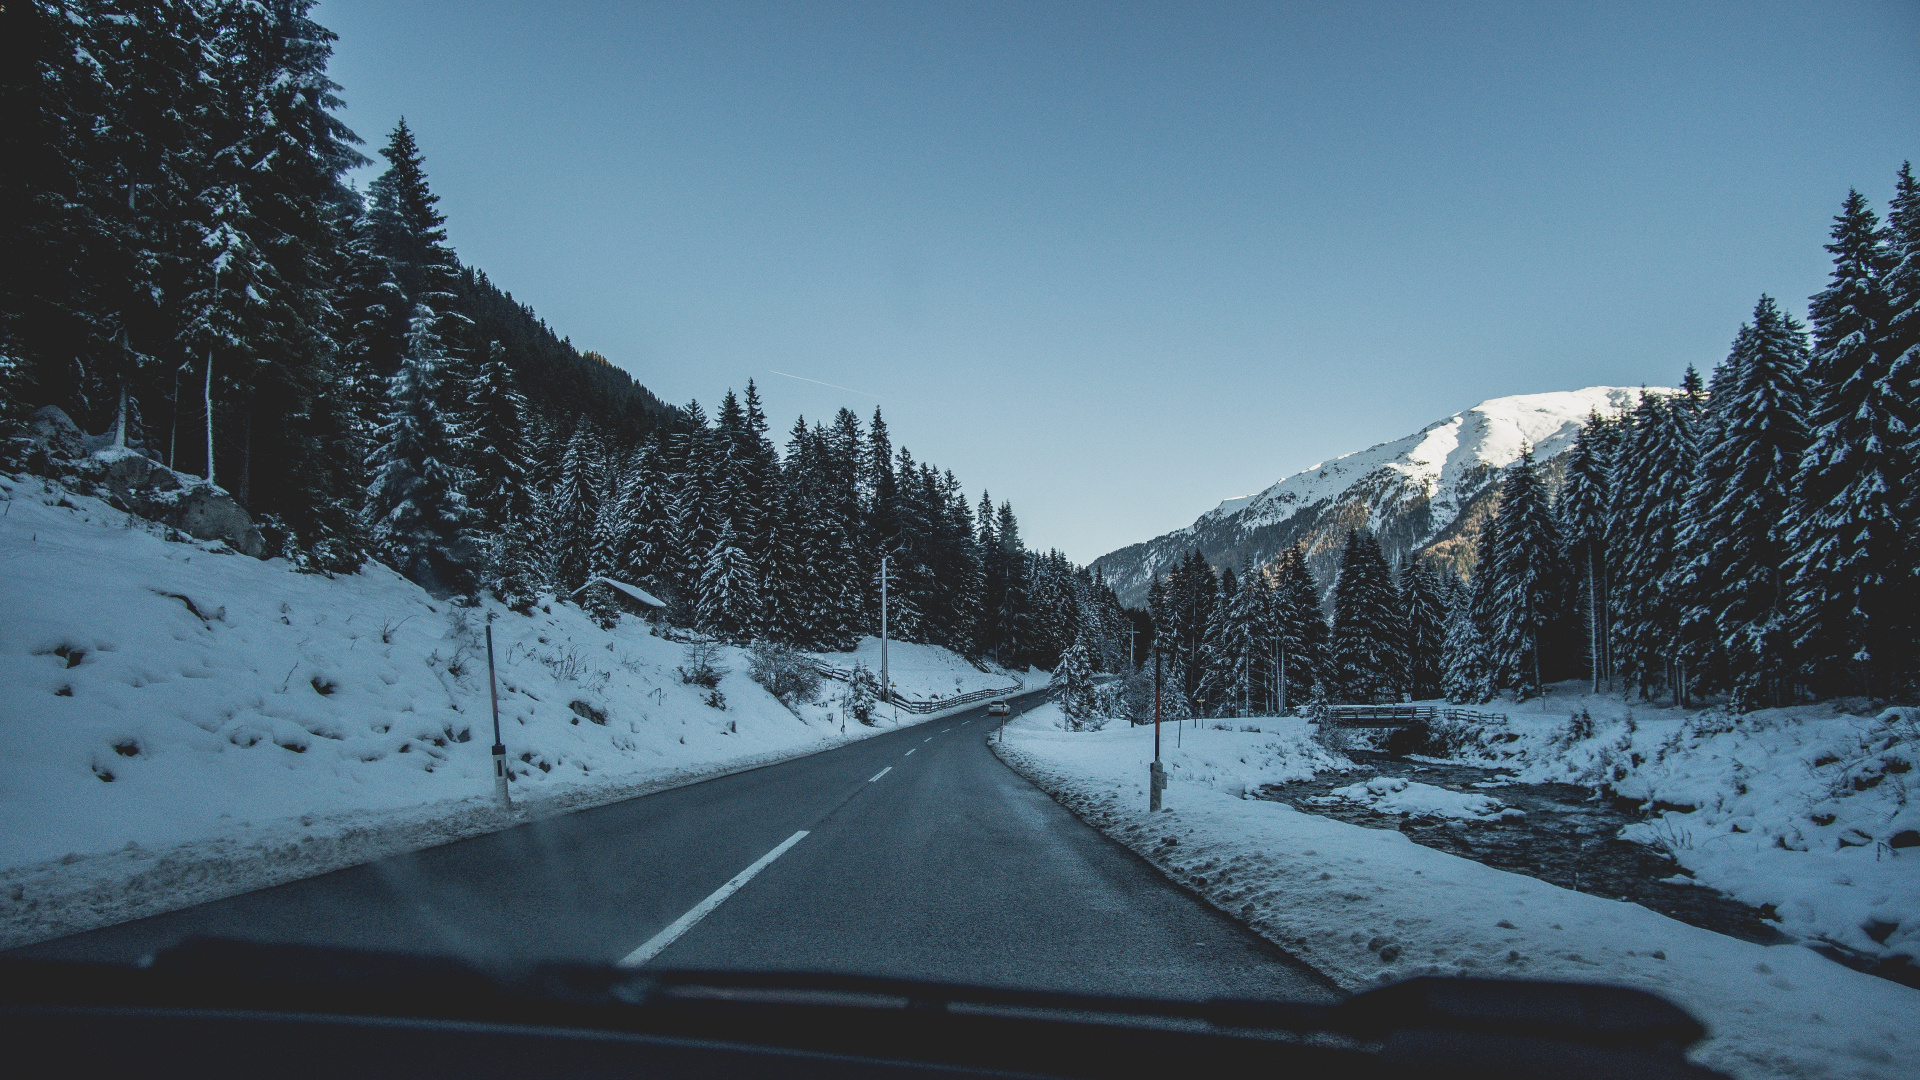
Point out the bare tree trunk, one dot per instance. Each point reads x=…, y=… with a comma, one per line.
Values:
x=120, y=412
x=246, y=456
x=209, y=402
x=173, y=437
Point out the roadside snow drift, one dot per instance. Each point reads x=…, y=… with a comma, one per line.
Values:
x=1367, y=906
x=180, y=723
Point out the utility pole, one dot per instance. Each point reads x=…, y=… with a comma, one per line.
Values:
x=499, y=748
x=1156, y=776
x=886, y=683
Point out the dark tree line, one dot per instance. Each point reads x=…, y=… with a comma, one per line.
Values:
x=1757, y=538
x=744, y=542
x=188, y=267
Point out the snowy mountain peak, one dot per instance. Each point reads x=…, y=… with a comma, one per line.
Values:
x=1409, y=490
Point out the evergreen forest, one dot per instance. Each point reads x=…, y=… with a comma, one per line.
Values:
x=1752, y=539
x=191, y=270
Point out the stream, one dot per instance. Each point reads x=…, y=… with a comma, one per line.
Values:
x=1567, y=838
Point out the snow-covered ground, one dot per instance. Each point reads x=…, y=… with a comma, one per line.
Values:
x=925, y=672
x=1398, y=795
x=1810, y=811
x=179, y=723
x=1367, y=905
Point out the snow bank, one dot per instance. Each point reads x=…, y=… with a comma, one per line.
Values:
x=1808, y=812
x=180, y=723
x=1396, y=795
x=1367, y=906
x=922, y=672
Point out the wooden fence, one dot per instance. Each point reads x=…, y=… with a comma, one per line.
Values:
x=1398, y=716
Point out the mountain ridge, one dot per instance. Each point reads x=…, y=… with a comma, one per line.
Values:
x=1427, y=492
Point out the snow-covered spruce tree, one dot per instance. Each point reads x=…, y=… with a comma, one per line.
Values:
x=1234, y=658
x=1529, y=580
x=1737, y=522
x=1903, y=330
x=1586, y=498
x=573, y=510
x=408, y=232
x=728, y=601
x=1364, y=657
x=1073, y=687
x=1466, y=657
x=495, y=436
x=862, y=697
x=611, y=529
x=230, y=299
x=1302, y=655
x=1423, y=627
x=695, y=477
x=1653, y=476
x=416, y=515
x=1851, y=546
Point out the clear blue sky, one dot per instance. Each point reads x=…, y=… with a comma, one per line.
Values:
x=1117, y=262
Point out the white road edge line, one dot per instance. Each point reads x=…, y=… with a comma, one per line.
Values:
x=705, y=907
x=879, y=774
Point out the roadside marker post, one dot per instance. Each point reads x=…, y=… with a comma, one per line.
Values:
x=499, y=748
x=1156, y=776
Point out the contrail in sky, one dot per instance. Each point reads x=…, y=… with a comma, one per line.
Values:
x=817, y=382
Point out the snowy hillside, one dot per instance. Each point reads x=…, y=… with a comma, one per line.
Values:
x=180, y=722
x=1412, y=491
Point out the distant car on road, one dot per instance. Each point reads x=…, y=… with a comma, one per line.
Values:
x=997, y=708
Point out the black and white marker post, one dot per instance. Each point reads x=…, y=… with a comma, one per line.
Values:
x=1156, y=776
x=499, y=748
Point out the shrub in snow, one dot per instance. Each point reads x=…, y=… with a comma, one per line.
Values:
x=701, y=668
x=783, y=671
x=862, y=694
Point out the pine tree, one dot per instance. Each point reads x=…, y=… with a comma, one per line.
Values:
x=1852, y=546
x=1364, y=629
x=416, y=515
x=1073, y=680
x=496, y=411
x=573, y=510
x=1529, y=579
x=1737, y=522
x=1586, y=498
x=727, y=603
x=1423, y=623
x=407, y=229
x=1653, y=475
x=1300, y=654
x=1466, y=656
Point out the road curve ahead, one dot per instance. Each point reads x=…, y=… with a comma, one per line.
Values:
x=915, y=853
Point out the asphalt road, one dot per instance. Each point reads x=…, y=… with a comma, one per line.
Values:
x=923, y=856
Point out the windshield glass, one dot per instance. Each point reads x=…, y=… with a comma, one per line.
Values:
x=763, y=487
